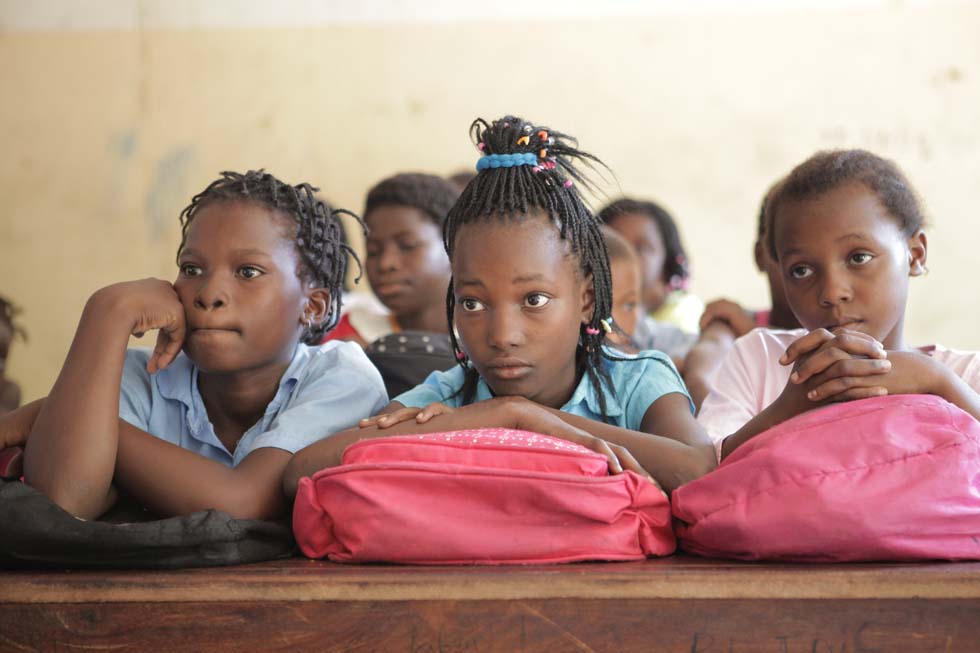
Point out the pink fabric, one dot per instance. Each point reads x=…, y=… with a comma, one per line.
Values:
x=486, y=496
x=888, y=478
x=751, y=378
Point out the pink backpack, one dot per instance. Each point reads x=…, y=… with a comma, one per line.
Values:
x=888, y=478
x=485, y=496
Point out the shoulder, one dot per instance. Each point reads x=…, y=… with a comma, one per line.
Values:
x=964, y=364
x=441, y=386
x=338, y=360
x=642, y=378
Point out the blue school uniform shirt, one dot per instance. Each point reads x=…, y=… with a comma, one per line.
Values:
x=639, y=380
x=325, y=389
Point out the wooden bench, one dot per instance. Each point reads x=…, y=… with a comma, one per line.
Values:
x=680, y=603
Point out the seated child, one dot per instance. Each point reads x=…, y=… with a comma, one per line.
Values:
x=845, y=229
x=211, y=416
x=637, y=331
x=724, y=320
x=652, y=232
x=406, y=263
x=9, y=390
x=531, y=301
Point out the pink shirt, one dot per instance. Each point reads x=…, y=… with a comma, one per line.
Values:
x=751, y=378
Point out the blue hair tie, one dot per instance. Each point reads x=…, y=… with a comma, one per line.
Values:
x=506, y=160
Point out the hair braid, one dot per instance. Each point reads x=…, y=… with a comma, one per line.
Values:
x=320, y=243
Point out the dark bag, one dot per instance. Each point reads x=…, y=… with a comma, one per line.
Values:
x=406, y=358
x=35, y=532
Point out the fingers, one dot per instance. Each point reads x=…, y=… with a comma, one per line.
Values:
x=804, y=345
x=432, y=410
x=838, y=358
x=627, y=461
x=863, y=381
x=388, y=420
x=170, y=339
x=601, y=446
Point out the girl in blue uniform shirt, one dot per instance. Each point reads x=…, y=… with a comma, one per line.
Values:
x=530, y=298
x=210, y=417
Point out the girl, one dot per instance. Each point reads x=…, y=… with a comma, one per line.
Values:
x=638, y=331
x=406, y=263
x=261, y=266
x=530, y=297
x=845, y=229
x=653, y=233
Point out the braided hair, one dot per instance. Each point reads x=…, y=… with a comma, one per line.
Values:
x=431, y=195
x=676, y=270
x=319, y=237
x=500, y=193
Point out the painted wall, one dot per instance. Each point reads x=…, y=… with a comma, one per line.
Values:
x=112, y=119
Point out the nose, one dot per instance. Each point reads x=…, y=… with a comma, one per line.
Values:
x=836, y=289
x=211, y=294
x=389, y=259
x=506, y=329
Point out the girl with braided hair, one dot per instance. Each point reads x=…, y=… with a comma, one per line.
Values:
x=530, y=298
x=210, y=417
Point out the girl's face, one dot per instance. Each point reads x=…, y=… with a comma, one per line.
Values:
x=406, y=262
x=521, y=301
x=626, y=309
x=642, y=233
x=846, y=263
x=238, y=282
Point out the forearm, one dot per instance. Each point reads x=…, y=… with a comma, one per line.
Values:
x=957, y=391
x=776, y=413
x=73, y=440
x=173, y=481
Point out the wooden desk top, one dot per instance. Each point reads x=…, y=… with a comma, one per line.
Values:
x=676, y=577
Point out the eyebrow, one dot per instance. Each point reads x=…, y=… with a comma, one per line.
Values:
x=850, y=236
x=238, y=252
x=528, y=277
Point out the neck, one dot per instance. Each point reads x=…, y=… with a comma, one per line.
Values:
x=432, y=318
x=237, y=401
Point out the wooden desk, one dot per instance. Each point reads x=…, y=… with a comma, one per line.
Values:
x=679, y=604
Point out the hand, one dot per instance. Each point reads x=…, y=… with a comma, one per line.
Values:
x=420, y=415
x=535, y=418
x=906, y=373
x=740, y=320
x=841, y=365
x=152, y=304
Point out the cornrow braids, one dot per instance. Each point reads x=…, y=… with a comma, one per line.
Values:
x=319, y=237
x=502, y=193
x=828, y=170
x=676, y=270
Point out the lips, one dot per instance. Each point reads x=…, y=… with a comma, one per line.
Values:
x=844, y=323
x=509, y=368
x=390, y=288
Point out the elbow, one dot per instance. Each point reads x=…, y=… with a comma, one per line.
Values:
x=697, y=466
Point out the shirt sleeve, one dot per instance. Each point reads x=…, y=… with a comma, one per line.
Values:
x=438, y=386
x=135, y=393
x=651, y=376
x=336, y=390
x=736, y=388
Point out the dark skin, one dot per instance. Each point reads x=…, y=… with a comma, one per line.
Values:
x=643, y=234
x=237, y=309
x=407, y=266
x=521, y=301
x=723, y=321
x=846, y=266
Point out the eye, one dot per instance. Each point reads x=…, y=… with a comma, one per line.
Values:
x=860, y=258
x=536, y=300
x=407, y=247
x=190, y=270
x=800, y=271
x=249, y=272
x=470, y=305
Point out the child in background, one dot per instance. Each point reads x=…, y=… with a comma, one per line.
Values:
x=652, y=232
x=213, y=426
x=724, y=320
x=405, y=263
x=845, y=228
x=637, y=331
x=9, y=390
x=531, y=299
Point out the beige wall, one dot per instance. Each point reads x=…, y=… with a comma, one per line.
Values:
x=106, y=133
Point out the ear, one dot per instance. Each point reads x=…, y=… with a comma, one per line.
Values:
x=918, y=248
x=760, y=255
x=588, y=299
x=316, y=305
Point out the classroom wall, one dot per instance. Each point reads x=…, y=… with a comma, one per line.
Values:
x=112, y=117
